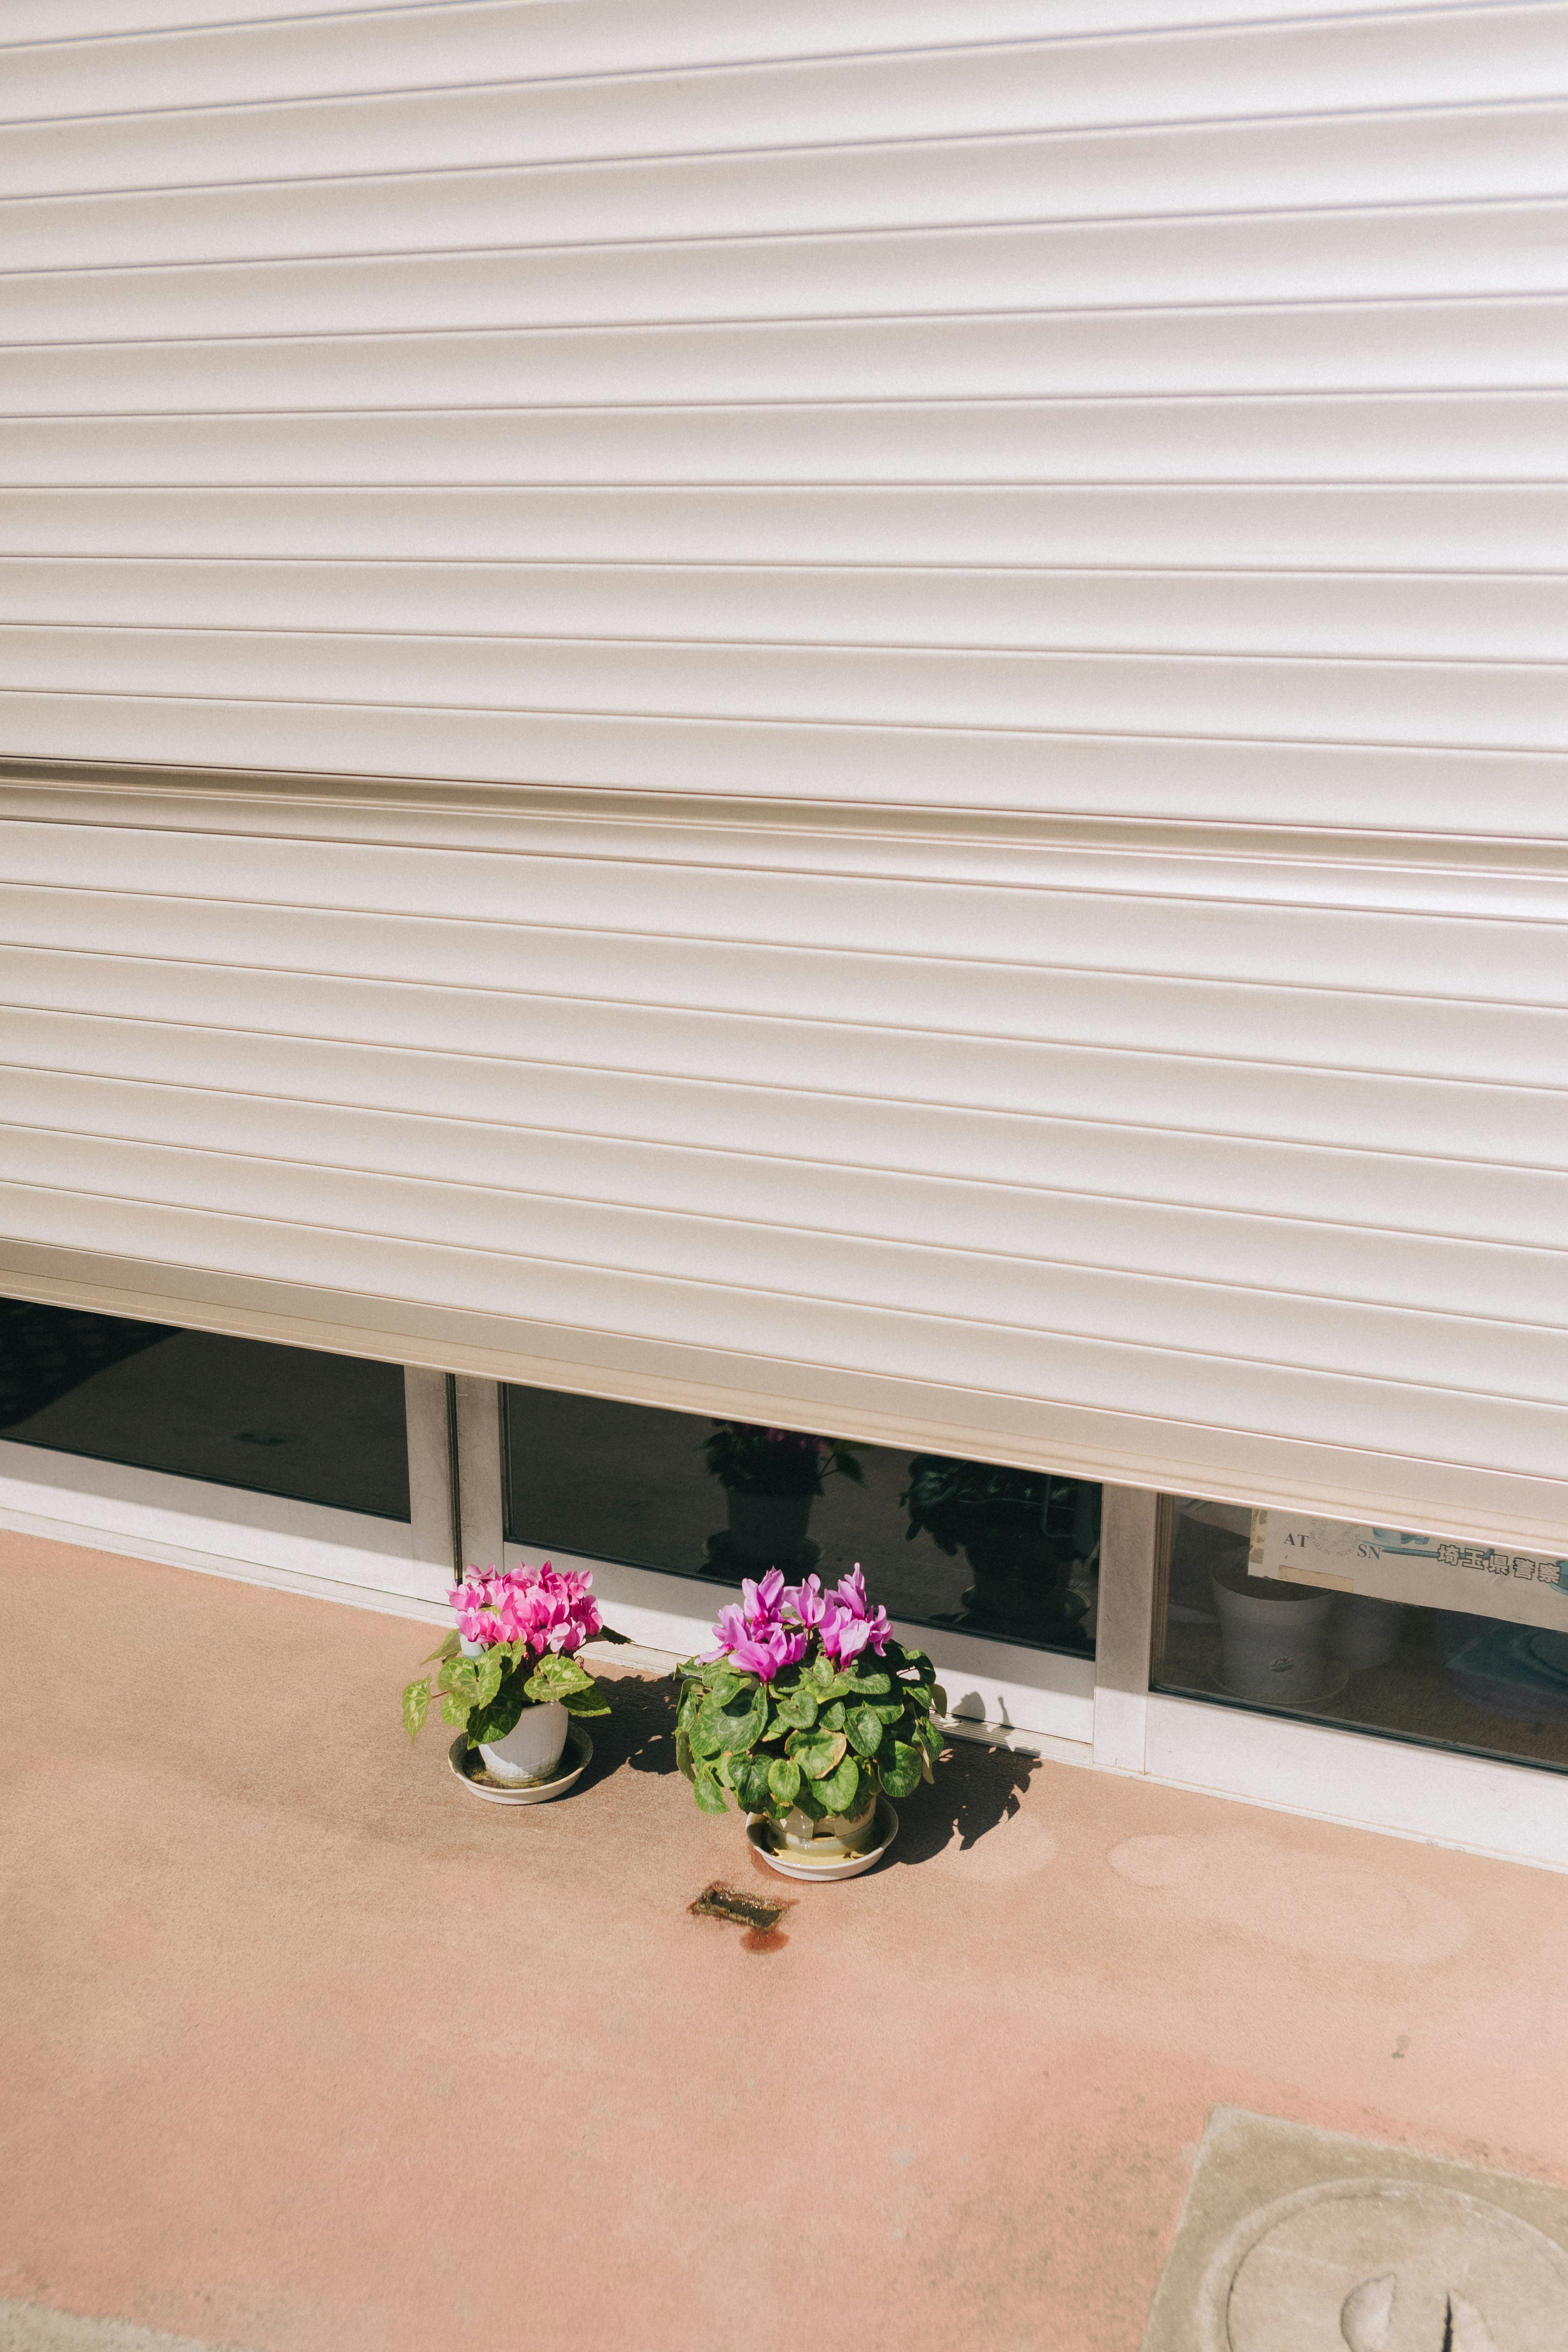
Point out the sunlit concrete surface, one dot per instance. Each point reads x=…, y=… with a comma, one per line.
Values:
x=307, y=2050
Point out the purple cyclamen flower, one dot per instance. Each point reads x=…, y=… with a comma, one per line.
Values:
x=760, y=1601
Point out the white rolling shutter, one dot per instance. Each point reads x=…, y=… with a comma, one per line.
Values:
x=972, y=628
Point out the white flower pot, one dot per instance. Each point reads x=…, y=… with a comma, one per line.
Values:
x=531, y=1750
x=1366, y=1631
x=1274, y=1638
x=834, y=1833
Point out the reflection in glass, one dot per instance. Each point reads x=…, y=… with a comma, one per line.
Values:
x=1010, y=1553
x=239, y=1412
x=1457, y=1643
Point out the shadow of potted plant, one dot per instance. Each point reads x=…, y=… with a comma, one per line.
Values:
x=770, y=1478
x=1022, y=1532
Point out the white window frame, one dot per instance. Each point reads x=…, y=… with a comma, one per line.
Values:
x=1070, y=1709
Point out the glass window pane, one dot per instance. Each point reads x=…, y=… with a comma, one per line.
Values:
x=1005, y=1552
x=1461, y=1644
x=241, y=1412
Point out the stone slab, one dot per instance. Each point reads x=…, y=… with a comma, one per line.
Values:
x=1258, y=2239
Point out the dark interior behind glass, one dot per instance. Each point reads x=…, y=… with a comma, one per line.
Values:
x=239, y=1412
x=1004, y=1552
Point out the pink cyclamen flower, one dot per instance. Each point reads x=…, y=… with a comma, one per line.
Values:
x=755, y=1658
x=806, y=1602
x=850, y=1591
x=729, y=1630
x=760, y=1601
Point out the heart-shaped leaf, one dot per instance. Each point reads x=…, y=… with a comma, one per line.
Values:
x=591, y=1701
x=454, y=1711
x=816, y=1752
x=938, y=1699
x=449, y=1648
x=832, y=1717
x=865, y=1727
x=740, y=1722
x=899, y=1772
x=797, y=1709
x=459, y=1678
x=556, y=1677
x=839, y=1790
x=783, y=1780
x=749, y=1778
x=709, y=1795
x=494, y=1721
x=865, y=1683
x=486, y=1682
x=918, y=1695
x=928, y=1738
x=415, y=1707
x=725, y=1685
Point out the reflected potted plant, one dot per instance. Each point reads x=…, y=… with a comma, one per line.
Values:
x=810, y=1715
x=770, y=1477
x=510, y=1678
x=1020, y=1531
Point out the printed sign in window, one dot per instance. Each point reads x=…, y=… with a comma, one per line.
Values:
x=1395, y=1564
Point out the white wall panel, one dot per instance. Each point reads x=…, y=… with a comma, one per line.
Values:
x=980, y=603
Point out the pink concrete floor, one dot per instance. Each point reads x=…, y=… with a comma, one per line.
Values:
x=304, y=2050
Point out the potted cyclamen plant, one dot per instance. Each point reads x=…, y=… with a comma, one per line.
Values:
x=511, y=1679
x=770, y=1477
x=808, y=1712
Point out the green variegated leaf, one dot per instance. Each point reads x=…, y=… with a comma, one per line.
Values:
x=737, y=1723
x=838, y=1790
x=865, y=1727
x=460, y=1676
x=797, y=1709
x=555, y=1678
x=491, y=1667
x=900, y=1771
x=683, y=1756
x=725, y=1685
x=749, y=1778
x=709, y=1795
x=867, y=1683
x=449, y=1648
x=783, y=1780
x=890, y=1711
x=591, y=1701
x=816, y=1752
x=927, y=1737
x=415, y=1707
x=918, y=1695
x=704, y=1741
x=454, y=1711
x=494, y=1721
x=832, y=1717
x=809, y=1800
